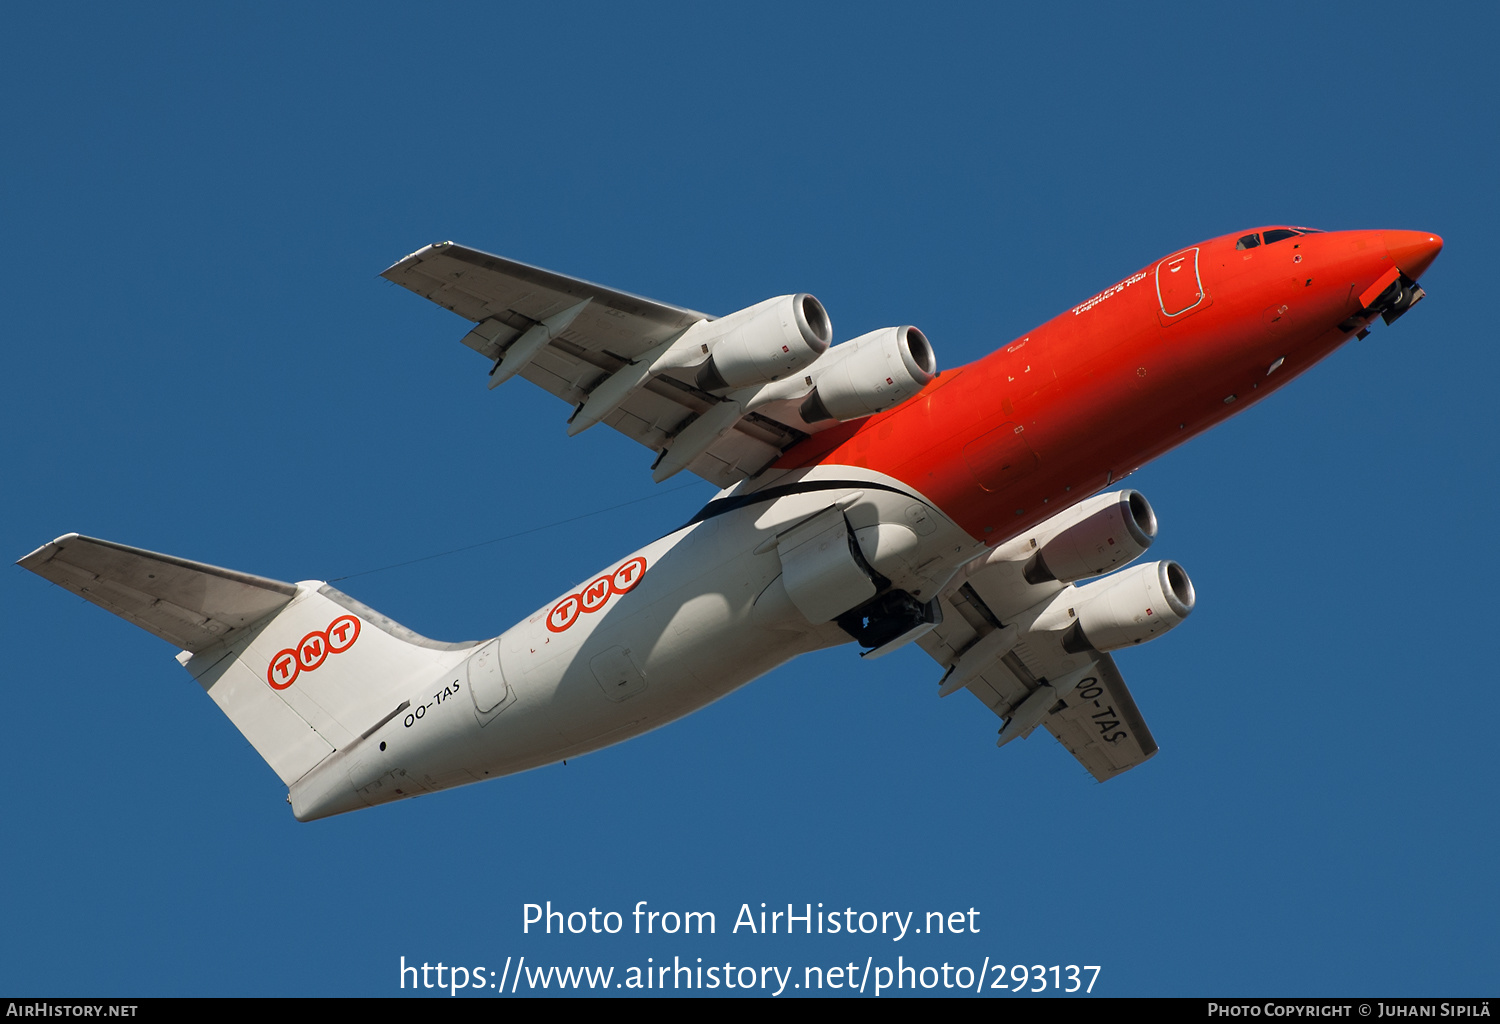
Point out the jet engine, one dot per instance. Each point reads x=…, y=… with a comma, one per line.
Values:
x=1127, y=608
x=870, y=374
x=1103, y=539
x=763, y=342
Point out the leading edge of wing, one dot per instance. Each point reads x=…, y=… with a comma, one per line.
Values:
x=635, y=305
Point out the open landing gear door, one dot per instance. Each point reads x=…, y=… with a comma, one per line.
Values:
x=821, y=571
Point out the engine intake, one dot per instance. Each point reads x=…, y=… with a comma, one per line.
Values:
x=870, y=374
x=763, y=342
x=1103, y=540
x=1130, y=607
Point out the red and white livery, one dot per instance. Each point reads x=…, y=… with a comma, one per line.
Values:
x=865, y=498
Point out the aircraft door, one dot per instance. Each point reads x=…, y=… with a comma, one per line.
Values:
x=1179, y=285
x=487, y=686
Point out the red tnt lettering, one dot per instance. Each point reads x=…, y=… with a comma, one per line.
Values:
x=311, y=651
x=564, y=613
x=283, y=669
x=596, y=594
x=628, y=575
x=342, y=632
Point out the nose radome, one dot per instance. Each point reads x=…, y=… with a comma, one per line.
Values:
x=1412, y=251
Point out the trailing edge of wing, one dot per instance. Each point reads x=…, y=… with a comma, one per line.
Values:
x=188, y=604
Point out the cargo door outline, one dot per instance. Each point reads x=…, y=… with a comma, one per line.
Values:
x=490, y=691
x=1179, y=285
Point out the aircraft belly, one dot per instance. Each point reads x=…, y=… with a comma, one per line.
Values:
x=669, y=629
x=688, y=634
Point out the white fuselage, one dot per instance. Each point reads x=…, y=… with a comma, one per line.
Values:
x=688, y=618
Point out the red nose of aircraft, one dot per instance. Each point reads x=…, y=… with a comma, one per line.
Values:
x=1412, y=251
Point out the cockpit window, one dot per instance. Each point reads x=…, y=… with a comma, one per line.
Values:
x=1250, y=241
x=1280, y=234
x=1312, y=231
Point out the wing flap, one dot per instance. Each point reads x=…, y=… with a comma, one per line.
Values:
x=1029, y=680
x=188, y=604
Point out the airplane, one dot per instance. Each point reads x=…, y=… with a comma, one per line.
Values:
x=865, y=498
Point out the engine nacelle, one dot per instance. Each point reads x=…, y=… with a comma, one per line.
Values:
x=1129, y=607
x=870, y=374
x=1104, y=539
x=763, y=342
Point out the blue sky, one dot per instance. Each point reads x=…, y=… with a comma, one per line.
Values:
x=200, y=359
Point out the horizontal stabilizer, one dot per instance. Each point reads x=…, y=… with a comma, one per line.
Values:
x=188, y=604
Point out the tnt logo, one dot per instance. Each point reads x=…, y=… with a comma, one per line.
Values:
x=594, y=596
x=311, y=651
x=564, y=613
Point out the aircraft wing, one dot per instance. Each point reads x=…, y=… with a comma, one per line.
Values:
x=1026, y=677
x=569, y=336
x=1084, y=726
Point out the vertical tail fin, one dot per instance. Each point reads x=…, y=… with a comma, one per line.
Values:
x=302, y=670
